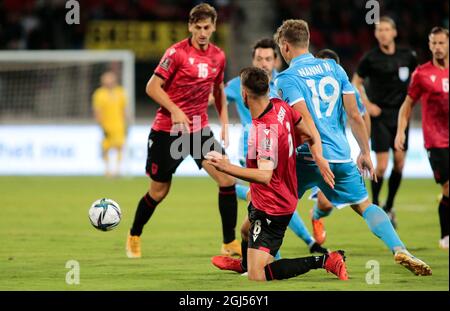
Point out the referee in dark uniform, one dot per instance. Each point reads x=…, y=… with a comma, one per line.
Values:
x=385, y=72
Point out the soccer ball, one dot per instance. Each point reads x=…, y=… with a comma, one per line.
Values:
x=105, y=214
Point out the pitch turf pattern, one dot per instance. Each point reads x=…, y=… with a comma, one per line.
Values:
x=44, y=224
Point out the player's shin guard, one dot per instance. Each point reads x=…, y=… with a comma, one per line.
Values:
x=318, y=213
x=394, y=183
x=288, y=268
x=241, y=192
x=144, y=211
x=298, y=226
x=376, y=188
x=444, y=216
x=228, y=212
x=381, y=226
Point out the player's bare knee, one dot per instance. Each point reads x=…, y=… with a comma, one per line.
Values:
x=381, y=169
x=244, y=233
x=361, y=207
x=399, y=165
x=324, y=205
x=226, y=181
x=158, y=191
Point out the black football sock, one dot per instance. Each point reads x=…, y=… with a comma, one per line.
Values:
x=288, y=268
x=444, y=216
x=244, y=248
x=144, y=211
x=228, y=212
x=376, y=188
x=394, y=184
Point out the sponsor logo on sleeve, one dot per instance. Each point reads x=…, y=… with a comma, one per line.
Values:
x=165, y=64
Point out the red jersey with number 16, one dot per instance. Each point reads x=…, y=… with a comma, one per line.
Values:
x=430, y=84
x=272, y=138
x=189, y=75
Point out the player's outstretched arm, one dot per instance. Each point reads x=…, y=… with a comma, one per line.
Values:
x=403, y=118
x=359, y=131
x=222, y=109
x=260, y=175
x=155, y=90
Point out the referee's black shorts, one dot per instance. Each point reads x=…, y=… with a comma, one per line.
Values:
x=439, y=164
x=384, y=130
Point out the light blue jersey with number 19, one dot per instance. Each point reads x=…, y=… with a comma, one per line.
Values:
x=321, y=84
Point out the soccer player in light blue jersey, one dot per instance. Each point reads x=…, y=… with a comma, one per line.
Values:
x=324, y=88
x=263, y=56
x=323, y=207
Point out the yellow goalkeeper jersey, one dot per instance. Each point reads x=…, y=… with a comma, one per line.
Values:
x=110, y=104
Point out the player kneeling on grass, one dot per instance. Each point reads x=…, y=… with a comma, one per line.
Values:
x=272, y=175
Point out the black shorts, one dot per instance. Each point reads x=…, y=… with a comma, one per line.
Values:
x=266, y=231
x=439, y=164
x=166, y=152
x=383, y=135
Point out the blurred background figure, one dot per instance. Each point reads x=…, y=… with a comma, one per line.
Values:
x=382, y=79
x=109, y=105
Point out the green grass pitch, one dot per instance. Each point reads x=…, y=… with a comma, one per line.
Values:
x=44, y=224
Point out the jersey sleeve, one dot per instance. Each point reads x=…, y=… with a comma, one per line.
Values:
x=169, y=63
x=415, y=88
x=290, y=90
x=232, y=89
x=363, y=69
x=266, y=142
x=347, y=87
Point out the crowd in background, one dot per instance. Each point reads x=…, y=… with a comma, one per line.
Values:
x=41, y=24
x=340, y=25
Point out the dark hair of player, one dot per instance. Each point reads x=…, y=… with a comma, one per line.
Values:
x=389, y=20
x=294, y=31
x=439, y=29
x=266, y=43
x=329, y=54
x=255, y=80
x=201, y=12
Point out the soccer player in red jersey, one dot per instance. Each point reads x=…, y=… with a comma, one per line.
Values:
x=429, y=83
x=271, y=171
x=181, y=84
